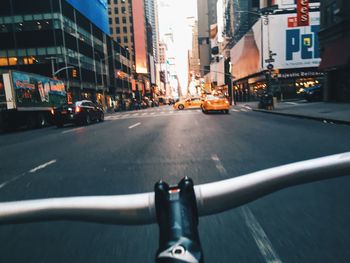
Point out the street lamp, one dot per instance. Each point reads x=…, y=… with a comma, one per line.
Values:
x=53, y=72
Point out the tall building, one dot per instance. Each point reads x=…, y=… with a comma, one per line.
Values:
x=151, y=9
x=334, y=43
x=212, y=12
x=121, y=23
x=67, y=39
x=134, y=24
x=203, y=36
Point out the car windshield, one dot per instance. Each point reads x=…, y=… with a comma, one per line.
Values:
x=167, y=89
x=215, y=97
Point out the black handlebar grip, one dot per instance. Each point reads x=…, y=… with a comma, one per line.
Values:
x=177, y=217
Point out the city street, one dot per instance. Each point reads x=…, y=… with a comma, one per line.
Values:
x=130, y=151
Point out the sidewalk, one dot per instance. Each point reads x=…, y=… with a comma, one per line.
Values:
x=324, y=111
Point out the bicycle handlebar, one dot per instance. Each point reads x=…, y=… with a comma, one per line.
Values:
x=211, y=198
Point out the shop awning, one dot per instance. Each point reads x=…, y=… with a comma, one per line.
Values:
x=335, y=54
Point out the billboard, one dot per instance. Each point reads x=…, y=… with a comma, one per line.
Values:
x=139, y=24
x=246, y=54
x=293, y=46
x=293, y=3
x=95, y=10
x=37, y=91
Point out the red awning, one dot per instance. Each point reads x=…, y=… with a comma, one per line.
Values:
x=335, y=54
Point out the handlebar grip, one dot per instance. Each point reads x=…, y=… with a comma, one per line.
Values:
x=176, y=210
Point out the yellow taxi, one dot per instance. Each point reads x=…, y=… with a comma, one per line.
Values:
x=190, y=103
x=216, y=103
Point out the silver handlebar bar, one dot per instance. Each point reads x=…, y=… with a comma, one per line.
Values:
x=211, y=198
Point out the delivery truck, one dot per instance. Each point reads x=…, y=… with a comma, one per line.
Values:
x=28, y=99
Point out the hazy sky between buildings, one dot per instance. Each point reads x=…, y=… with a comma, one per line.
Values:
x=173, y=17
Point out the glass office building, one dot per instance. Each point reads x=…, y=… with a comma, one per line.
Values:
x=53, y=38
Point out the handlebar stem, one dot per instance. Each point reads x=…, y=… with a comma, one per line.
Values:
x=177, y=217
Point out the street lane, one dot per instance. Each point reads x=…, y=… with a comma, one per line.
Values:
x=305, y=223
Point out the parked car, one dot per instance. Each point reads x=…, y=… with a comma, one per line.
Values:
x=189, y=103
x=216, y=103
x=80, y=112
x=313, y=93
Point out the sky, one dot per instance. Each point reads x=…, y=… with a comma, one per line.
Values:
x=173, y=17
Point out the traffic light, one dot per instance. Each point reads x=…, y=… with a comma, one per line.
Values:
x=74, y=73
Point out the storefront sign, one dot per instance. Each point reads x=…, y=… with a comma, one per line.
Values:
x=300, y=74
x=303, y=12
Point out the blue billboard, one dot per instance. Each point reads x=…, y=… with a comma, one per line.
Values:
x=95, y=10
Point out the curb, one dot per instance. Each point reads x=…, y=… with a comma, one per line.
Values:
x=304, y=116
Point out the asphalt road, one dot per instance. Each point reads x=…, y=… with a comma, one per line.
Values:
x=130, y=151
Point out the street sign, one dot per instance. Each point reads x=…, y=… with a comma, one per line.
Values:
x=270, y=60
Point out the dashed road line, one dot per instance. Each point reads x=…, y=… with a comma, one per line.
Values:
x=42, y=166
x=234, y=110
x=135, y=125
x=257, y=232
x=260, y=236
x=73, y=130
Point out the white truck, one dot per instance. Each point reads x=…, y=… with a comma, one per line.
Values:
x=28, y=99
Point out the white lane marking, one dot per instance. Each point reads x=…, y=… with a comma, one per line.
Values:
x=247, y=107
x=74, y=130
x=235, y=110
x=292, y=103
x=258, y=233
x=244, y=110
x=11, y=180
x=2, y=185
x=260, y=236
x=135, y=125
x=42, y=166
x=219, y=165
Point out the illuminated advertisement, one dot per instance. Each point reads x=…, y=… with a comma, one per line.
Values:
x=246, y=54
x=293, y=3
x=95, y=10
x=292, y=46
x=303, y=12
x=36, y=90
x=140, y=36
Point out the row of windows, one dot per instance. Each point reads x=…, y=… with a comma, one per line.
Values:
x=118, y=30
x=117, y=1
x=47, y=21
x=43, y=54
x=117, y=20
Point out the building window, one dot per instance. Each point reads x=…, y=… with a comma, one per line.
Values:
x=124, y=20
x=125, y=39
x=117, y=30
x=110, y=20
x=111, y=30
x=123, y=10
x=118, y=40
x=116, y=10
x=115, y=2
x=116, y=20
x=125, y=30
x=130, y=19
